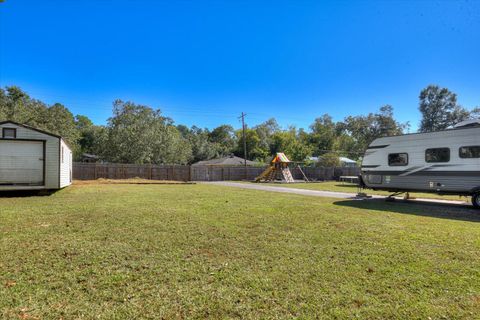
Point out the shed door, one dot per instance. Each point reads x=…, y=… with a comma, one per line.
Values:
x=21, y=162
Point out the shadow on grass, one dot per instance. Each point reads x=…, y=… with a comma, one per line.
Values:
x=463, y=212
x=26, y=193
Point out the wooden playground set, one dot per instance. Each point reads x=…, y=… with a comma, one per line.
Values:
x=279, y=170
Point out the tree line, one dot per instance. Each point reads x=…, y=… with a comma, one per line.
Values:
x=140, y=134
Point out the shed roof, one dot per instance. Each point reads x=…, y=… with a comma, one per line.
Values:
x=31, y=128
x=37, y=130
x=226, y=161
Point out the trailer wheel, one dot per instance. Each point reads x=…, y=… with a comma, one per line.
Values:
x=476, y=200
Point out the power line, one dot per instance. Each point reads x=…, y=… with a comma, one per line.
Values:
x=86, y=103
x=80, y=103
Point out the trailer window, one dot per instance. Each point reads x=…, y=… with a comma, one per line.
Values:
x=469, y=152
x=437, y=155
x=398, y=159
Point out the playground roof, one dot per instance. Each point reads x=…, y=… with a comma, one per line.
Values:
x=280, y=157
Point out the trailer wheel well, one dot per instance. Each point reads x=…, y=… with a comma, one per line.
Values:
x=475, y=190
x=476, y=200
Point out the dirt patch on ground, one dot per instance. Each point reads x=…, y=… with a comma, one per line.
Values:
x=127, y=181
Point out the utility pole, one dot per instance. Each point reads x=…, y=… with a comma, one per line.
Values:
x=244, y=143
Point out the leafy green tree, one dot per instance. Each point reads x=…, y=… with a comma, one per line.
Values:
x=16, y=105
x=475, y=113
x=198, y=139
x=131, y=132
x=93, y=139
x=139, y=134
x=3, y=104
x=224, y=140
x=290, y=143
x=82, y=122
x=323, y=134
x=345, y=145
x=364, y=129
x=255, y=151
x=60, y=120
x=385, y=124
x=329, y=159
x=169, y=147
x=265, y=131
x=439, y=109
x=202, y=148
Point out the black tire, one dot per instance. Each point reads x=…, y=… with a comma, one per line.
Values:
x=476, y=200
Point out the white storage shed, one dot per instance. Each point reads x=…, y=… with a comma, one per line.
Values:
x=32, y=159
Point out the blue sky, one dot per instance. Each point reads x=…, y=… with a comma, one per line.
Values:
x=204, y=62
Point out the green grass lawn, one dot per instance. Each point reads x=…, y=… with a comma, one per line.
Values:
x=352, y=188
x=203, y=251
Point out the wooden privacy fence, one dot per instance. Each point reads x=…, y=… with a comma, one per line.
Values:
x=220, y=173
x=93, y=171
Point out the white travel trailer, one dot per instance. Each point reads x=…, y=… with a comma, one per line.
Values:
x=443, y=162
x=32, y=159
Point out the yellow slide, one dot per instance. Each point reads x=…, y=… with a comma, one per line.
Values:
x=266, y=175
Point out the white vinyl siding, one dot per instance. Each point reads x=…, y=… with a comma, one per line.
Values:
x=66, y=165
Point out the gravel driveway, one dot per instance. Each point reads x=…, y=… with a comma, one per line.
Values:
x=317, y=193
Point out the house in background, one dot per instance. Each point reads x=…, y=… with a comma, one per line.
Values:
x=344, y=162
x=226, y=161
x=90, y=158
x=32, y=159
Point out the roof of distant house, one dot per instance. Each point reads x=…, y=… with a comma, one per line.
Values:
x=90, y=156
x=346, y=160
x=226, y=161
x=342, y=159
